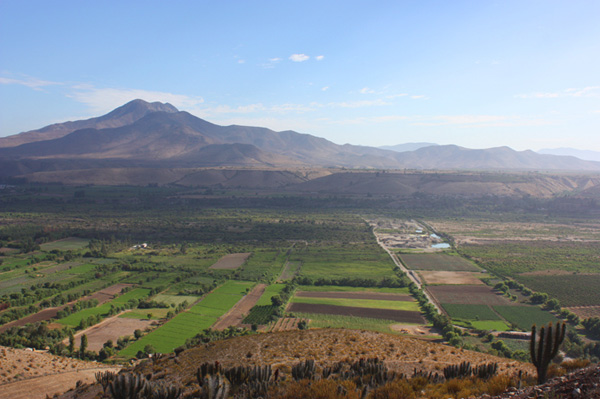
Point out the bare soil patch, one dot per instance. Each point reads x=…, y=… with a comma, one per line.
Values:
x=437, y=262
x=381, y=296
x=585, y=312
x=285, y=324
x=290, y=270
x=443, y=277
x=111, y=328
x=231, y=261
x=8, y=250
x=467, y=294
x=33, y=374
x=235, y=316
x=406, y=316
x=412, y=329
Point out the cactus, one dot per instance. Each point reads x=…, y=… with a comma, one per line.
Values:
x=262, y=374
x=432, y=377
x=156, y=357
x=486, y=371
x=214, y=387
x=547, y=348
x=208, y=369
x=458, y=370
x=105, y=378
x=165, y=392
x=238, y=375
x=128, y=386
x=304, y=370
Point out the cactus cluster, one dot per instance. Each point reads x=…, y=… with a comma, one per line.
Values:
x=214, y=387
x=135, y=386
x=216, y=381
x=464, y=370
x=485, y=371
x=547, y=348
x=431, y=377
x=104, y=378
x=305, y=370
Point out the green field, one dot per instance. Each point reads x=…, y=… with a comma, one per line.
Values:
x=175, y=299
x=490, y=325
x=525, y=316
x=470, y=312
x=366, y=261
x=510, y=258
x=270, y=291
x=361, y=303
x=340, y=288
x=67, y=244
x=75, y=318
x=569, y=289
x=437, y=262
x=188, y=324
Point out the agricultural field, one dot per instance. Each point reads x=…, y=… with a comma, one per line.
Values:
x=66, y=244
x=470, y=312
x=524, y=316
x=356, y=304
x=437, y=262
x=444, y=277
x=231, y=261
x=189, y=323
x=570, y=289
x=467, y=295
x=75, y=319
x=337, y=261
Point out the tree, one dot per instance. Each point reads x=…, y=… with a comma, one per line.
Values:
x=83, y=346
x=276, y=300
x=71, y=342
x=137, y=334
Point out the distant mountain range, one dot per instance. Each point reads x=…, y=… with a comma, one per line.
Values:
x=155, y=135
x=581, y=154
x=406, y=146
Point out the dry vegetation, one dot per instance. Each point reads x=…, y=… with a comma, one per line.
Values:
x=27, y=374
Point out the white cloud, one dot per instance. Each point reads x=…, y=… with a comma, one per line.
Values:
x=359, y=104
x=30, y=82
x=299, y=57
x=241, y=61
x=320, y=57
x=325, y=88
x=589, y=91
x=107, y=99
x=478, y=121
x=418, y=97
x=370, y=120
x=366, y=90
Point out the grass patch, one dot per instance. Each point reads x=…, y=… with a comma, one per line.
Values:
x=270, y=291
x=490, y=325
x=569, y=289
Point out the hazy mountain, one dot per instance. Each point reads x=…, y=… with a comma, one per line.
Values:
x=144, y=135
x=581, y=154
x=406, y=146
x=124, y=115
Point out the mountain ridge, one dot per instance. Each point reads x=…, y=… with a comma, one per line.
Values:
x=142, y=134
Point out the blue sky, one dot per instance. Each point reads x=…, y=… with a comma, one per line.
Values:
x=479, y=74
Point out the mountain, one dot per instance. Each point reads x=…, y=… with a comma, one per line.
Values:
x=154, y=135
x=124, y=115
x=499, y=158
x=406, y=146
x=581, y=154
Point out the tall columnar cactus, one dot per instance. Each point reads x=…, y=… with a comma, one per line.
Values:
x=304, y=370
x=547, y=348
x=128, y=386
x=214, y=387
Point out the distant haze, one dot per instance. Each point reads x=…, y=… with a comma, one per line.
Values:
x=581, y=154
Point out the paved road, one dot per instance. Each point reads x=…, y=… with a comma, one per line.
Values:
x=412, y=276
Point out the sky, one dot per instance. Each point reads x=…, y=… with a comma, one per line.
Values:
x=479, y=74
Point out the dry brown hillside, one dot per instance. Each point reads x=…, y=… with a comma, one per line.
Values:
x=282, y=350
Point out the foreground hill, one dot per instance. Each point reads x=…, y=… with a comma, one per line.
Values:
x=158, y=136
x=326, y=347
x=27, y=374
